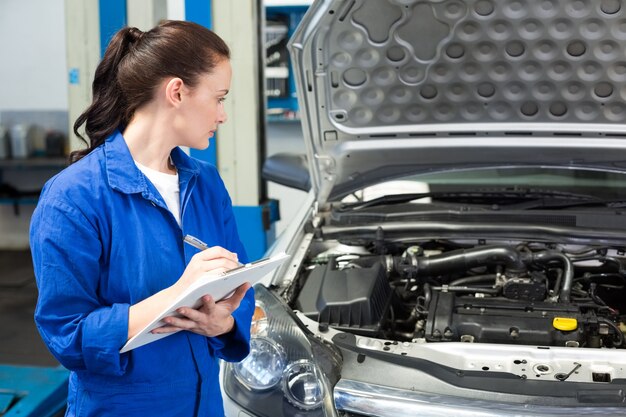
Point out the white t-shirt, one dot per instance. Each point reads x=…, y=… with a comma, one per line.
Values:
x=167, y=185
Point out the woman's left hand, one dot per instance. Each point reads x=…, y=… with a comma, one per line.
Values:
x=211, y=319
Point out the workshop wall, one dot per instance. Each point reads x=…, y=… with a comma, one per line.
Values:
x=34, y=91
x=32, y=52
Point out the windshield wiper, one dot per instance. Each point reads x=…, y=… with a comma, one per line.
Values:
x=497, y=196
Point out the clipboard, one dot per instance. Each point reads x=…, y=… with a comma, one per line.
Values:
x=219, y=286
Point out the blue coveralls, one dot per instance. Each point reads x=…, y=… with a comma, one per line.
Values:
x=103, y=239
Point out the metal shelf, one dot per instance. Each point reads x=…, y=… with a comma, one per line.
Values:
x=34, y=163
x=18, y=200
x=280, y=77
x=17, y=197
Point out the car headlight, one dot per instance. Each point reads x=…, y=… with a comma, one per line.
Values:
x=287, y=372
x=263, y=367
x=302, y=385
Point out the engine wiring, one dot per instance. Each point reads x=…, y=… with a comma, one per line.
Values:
x=443, y=290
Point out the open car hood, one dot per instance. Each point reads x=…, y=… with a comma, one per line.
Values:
x=392, y=87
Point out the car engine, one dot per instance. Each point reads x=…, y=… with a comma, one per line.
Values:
x=531, y=293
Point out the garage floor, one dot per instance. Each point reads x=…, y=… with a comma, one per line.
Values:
x=21, y=344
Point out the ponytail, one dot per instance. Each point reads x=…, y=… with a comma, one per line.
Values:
x=133, y=65
x=108, y=110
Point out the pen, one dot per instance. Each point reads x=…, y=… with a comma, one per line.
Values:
x=197, y=243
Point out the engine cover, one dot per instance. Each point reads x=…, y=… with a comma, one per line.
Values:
x=493, y=320
x=349, y=299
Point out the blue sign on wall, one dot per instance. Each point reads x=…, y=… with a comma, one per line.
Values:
x=74, y=76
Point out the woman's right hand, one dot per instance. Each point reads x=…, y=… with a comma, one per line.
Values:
x=215, y=259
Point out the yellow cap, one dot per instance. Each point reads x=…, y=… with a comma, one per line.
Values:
x=565, y=324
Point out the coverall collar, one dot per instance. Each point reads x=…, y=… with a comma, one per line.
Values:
x=124, y=176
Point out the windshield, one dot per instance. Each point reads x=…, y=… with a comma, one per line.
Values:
x=601, y=184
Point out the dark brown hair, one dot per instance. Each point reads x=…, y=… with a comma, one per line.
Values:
x=134, y=63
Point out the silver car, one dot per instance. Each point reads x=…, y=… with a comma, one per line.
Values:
x=462, y=249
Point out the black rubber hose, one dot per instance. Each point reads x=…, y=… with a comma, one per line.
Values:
x=557, y=282
x=618, y=332
x=568, y=270
x=474, y=279
x=465, y=259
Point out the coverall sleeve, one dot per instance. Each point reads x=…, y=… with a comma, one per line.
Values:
x=82, y=332
x=235, y=345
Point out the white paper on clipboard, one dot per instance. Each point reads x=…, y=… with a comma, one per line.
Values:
x=216, y=285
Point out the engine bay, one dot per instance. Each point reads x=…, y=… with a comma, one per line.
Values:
x=474, y=291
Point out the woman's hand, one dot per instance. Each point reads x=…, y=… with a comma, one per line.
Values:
x=211, y=319
x=215, y=259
